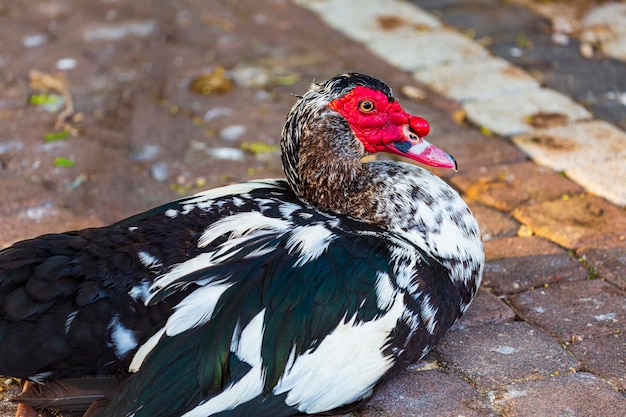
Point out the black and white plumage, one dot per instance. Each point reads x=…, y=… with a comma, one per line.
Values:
x=266, y=298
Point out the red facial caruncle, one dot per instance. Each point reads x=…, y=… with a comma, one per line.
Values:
x=383, y=126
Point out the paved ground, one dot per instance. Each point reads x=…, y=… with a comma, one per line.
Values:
x=546, y=335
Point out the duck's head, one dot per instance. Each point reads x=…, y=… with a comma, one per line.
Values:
x=339, y=121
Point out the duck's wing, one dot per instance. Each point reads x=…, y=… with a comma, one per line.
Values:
x=298, y=313
x=73, y=304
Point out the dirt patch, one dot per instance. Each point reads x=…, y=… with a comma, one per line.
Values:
x=553, y=142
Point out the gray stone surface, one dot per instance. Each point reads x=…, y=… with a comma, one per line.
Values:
x=488, y=78
x=574, y=145
x=514, y=113
x=605, y=179
x=427, y=49
x=507, y=272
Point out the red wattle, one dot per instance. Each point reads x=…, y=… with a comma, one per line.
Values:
x=419, y=126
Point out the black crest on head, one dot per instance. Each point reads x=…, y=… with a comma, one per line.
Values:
x=345, y=82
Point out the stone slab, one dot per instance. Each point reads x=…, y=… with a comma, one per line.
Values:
x=427, y=49
x=508, y=186
x=365, y=20
x=513, y=114
x=518, y=264
x=606, y=25
x=604, y=356
x=574, y=145
x=426, y=393
x=499, y=354
x=581, y=220
x=572, y=394
x=606, y=179
x=608, y=260
x=574, y=311
x=488, y=78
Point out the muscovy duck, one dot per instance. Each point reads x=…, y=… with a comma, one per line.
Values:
x=266, y=298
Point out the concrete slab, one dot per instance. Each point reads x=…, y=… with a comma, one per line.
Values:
x=574, y=311
x=574, y=145
x=398, y=32
x=572, y=394
x=574, y=222
x=486, y=79
x=606, y=179
x=499, y=354
x=514, y=114
x=605, y=25
x=427, y=49
x=365, y=20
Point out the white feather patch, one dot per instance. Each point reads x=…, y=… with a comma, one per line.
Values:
x=248, y=349
x=171, y=213
x=239, y=188
x=385, y=291
x=148, y=260
x=310, y=242
x=239, y=224
x=344, y=367
x=140, y=291
x=69, y=319
x=204, y=260
x=123, y=339
x=144, y=350
x=428, y=313
x=196, y=309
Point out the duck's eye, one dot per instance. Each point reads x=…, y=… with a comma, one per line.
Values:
x=366, y=106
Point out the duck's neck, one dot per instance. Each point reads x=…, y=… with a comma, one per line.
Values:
x=324, y=168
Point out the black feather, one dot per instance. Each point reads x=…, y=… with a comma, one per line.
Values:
x=67, y=395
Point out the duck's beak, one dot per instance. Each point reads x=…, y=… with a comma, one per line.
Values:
x=420, y=150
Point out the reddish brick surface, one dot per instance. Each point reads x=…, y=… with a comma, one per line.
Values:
x=608, y=260
x=500, y=354
x=604, y=356
x=474, y=151
x=573, y=394
x=582, y=220
x=507, y=270
x=506, y=187
x=486, y=309
x=427, y=393
x=493, y=224
x=571, y=311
